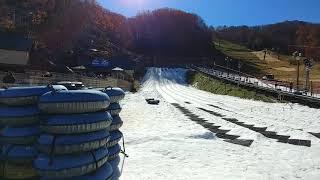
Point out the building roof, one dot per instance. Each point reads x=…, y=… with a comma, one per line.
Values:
x=117, y=69
x=15, y=42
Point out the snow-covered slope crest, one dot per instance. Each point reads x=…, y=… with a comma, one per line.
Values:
x=163, y=143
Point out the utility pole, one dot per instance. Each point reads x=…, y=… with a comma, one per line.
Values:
x=308, y=67
x=297, y=56
x=239, y=72
x=298, y=69
x=228, y=62
x=239, y=67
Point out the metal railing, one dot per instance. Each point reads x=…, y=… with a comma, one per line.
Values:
x=36, y=78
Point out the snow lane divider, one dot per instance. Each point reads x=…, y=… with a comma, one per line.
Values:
x=271, y=134
x=264, y=132
x=218, y=107
x=212, y=112
x=315, y=134
x=220, y=133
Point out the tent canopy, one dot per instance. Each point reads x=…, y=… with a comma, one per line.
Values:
x=117, y=69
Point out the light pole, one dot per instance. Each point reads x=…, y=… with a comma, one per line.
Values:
x=239, y=67
x=228, y=61
x=308, y=67
x=298, y=57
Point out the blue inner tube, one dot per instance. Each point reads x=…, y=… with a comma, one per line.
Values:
x=20, y=131
x=18, y=153
x=114, y=106
x=73, y=119
x=115, y=137
x=18, y=111
x=67, y=144
x=116, y=123
x=14, y=92
x=114, y=109
x=116, y=119
x=114, y=151
x=20, y=135
x=103, y=173
x=19, y=116
x=47, y=139
x=76, y=123
x=116, y=94
x=73, y=102
x=74, y=96
x=60, y=163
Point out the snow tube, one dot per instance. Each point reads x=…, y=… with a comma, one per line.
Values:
x=68, y=144
x=103, y=173
x=114, y=152
x=115, y=137
x=67, y=166
x=19, y=116
x=20, y=135
x=116, y=94
x=116, y=123
x=114, y=109
x=73, y=101
x=115, y=167
x=21, y=96
x=76, y=123
x=18, y=154
x=18, y=171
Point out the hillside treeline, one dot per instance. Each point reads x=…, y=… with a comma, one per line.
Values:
x=171, y=32
x=275, y=36
x=73, y=25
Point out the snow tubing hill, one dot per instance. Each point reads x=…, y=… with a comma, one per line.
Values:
x=116, y=123
x=19, y=135
x=103, y=173
x=114, y=152
x=20, y=96
x=19, y=116
x=116, y=94
x=76, y=123
x=114, y=109
x=68, y=144
x=115, y=137
x=67, y=166
x=18, y=154
x=73, y=101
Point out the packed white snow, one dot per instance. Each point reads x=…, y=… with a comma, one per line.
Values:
x=162, y=143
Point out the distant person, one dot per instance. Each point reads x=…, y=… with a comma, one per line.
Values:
x=291, y=86
x=9, y=78
x=276, y=85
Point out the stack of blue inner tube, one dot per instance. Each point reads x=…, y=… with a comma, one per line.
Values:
x=116, y=95
x=19, y=119
x=75, y=134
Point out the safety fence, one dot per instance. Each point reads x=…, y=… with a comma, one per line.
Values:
x=38, y=78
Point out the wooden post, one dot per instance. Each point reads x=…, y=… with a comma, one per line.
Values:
x=311, y=88
x=298, y=69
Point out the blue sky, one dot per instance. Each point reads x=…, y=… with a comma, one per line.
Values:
x=227, y=12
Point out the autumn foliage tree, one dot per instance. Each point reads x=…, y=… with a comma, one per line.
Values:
x=170, y=32
x=274, y=36
x=60, y=26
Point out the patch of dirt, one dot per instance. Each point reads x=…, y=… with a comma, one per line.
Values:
x=287, y=69
x=269, y=58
